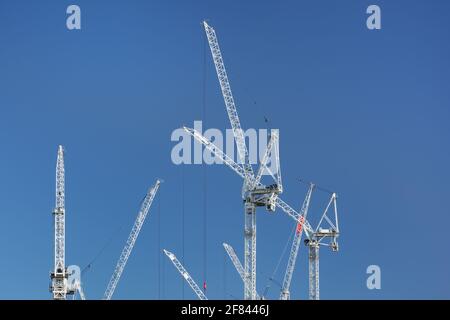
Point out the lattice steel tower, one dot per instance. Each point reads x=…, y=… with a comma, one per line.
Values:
x=59, y=275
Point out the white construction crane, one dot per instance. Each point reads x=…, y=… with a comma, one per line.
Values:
x=185, y=275
x=145, y=207
x=250, y=208
x=285, y=289
x=252, y=194
x=59, y=275
x=317, y=239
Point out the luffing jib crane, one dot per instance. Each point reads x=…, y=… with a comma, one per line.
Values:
x=185, y=275
x=252, y=194
x=145, y=207
x=250, y=208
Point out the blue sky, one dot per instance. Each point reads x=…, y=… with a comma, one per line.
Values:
x=364, y=113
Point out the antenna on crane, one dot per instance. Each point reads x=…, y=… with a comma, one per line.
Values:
x=145, y=207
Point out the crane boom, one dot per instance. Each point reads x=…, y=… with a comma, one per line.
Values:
x=59, y=274
x=145, y=207
x=237, y=264
x=285, y=293
x=240, y=171
x=185, y=275
x=229, y=101
x=235, y=260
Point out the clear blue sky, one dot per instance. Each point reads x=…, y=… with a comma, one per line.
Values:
x=364, y=113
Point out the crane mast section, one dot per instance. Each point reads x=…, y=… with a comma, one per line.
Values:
x=59, y=275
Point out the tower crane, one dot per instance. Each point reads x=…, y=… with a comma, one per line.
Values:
x=252, y=195
x=185, y=275
x=250, y=208
x=285, y=293
x=317, y=239
x=59, y=275
x=145, y=207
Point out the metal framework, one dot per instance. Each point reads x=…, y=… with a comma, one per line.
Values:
x=327, y=228
x=285, y=289
x=185, y=275
x=291, y=212
x=145, y=207
x=59, y=275
x=313, y=260
x=254, y=193
x=228, y=99
x=250, y=207
x=237, y=264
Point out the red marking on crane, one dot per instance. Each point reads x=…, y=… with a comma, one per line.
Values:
x=204, y=285
x=300, y=225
